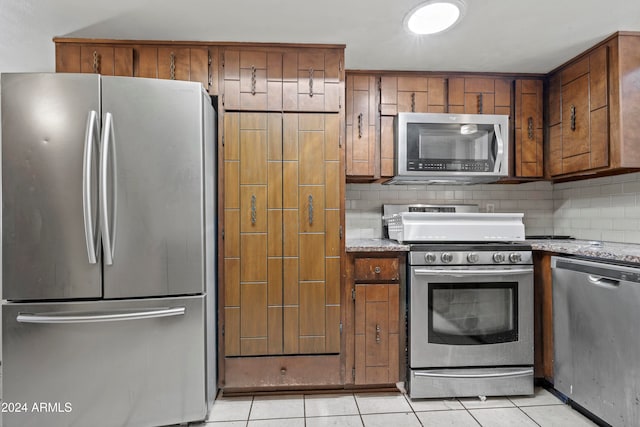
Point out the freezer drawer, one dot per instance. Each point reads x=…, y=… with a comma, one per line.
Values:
x=110, y=363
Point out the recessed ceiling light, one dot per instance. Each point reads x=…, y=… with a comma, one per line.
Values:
x=434, y=16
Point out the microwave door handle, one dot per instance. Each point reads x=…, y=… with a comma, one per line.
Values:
x=500, y=143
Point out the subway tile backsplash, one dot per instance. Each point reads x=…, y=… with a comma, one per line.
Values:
x=595, y=209
x=364, y=203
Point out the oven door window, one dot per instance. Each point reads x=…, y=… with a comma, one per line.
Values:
x=472, y=313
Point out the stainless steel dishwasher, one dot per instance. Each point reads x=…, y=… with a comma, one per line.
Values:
x=596, y=318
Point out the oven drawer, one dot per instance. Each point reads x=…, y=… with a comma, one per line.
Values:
x=469, y=382
x=369, y=269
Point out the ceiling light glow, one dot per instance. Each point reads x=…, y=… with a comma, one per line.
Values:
x=434, y=16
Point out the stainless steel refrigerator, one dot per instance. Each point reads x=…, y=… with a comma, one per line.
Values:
x=108, y=250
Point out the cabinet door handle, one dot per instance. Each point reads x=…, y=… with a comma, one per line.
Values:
x=310, y=82
x=530, y=127
x=96, y=62
x=573, y=117
x=377, y=270
x=254, y=214
x=360, y=126
x=413, y=102
x=480, y=103
x=172, y=66
x=378, y=334
x=253, y=80
x=210, y=80
x=310, y=199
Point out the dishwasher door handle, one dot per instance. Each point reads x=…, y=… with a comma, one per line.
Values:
x=603, y=282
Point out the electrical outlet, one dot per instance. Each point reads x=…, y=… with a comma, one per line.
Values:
x=490, y=207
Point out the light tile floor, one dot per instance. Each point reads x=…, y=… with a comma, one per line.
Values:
x=392, y=409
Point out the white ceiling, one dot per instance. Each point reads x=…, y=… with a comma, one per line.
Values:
x=531, y=36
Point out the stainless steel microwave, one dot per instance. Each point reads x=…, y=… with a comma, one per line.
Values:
x=450, y=148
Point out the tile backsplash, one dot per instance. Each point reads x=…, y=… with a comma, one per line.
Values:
x=364, y=202
x=599, y=209
x=594, y=209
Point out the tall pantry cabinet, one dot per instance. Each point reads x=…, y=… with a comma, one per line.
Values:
x=282, y=156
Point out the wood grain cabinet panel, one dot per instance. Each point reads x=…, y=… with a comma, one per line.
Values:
x=528, y=154
x=374, y=337
x=105, y=60
x=362, y=126
x=479, y=95
x=289, y=253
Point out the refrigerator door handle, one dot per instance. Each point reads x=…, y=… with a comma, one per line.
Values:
x=57, y=318
x=91, y=137
x=108, y=149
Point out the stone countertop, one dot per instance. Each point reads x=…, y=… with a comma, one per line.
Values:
x=610, y=251
x=375, y=245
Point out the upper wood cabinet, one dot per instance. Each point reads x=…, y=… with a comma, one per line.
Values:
x=98, y=59
x=133, y=58
x=297, y=80
x=528, y=144
x=479, y=95
x=362, y=123
x=413, y=94
x=594, y=103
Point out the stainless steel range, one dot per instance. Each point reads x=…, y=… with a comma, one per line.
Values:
x=470, y=304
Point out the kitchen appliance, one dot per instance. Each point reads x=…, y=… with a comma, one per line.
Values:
x=108, y=278
x=596, y=346
x=470, y=304
x=450, y=148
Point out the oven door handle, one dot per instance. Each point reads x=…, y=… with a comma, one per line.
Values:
x=523, y=373
x=468, y=272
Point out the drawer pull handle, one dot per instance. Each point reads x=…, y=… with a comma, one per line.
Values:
x=530, y=127
x=377, y=334
x=172, y=66
x=377, y=270
x=573, y=117
x=96, y=62
x=360, y=125
x=283, y=371
x=310, y=82
x=480, y=104
x=310, y=209
x=413, y=102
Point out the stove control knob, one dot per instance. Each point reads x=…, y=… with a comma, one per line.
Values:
x=473, y=257
x=515, y=257
x=430, y=257
x=447, y=257
x=498, y=257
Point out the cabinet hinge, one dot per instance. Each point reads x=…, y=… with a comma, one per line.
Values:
x=222, y=330
x=223, y=140
x=353, y=294
x=339, y=101
x=340, y=65
x=340, y=232
x=222, y=61
x=340, y=328
x=340, y=141
x=380, y=108
x=223, y=99
x=222, y=232
x=353, y=373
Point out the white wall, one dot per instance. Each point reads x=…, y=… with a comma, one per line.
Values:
x=364, y=202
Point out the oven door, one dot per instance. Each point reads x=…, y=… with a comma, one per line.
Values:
x=471, y=316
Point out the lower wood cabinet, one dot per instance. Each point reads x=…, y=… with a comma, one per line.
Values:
x=375, y=335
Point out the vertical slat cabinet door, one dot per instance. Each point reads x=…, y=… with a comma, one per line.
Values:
x=252, y=80
x=155, y=195
x=575, y=121
x=67, y=58
x=413, y=95
x=598, y=104
x=45, y=245
x=200, y=67
x=528, y=124
x=146, y=64
x=311, y=161
x=174, y=63
x=361, y=126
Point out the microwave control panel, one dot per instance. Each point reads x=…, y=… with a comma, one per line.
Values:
x=448, y=165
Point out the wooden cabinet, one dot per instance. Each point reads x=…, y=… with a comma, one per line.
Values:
x=479, y=95
x=362, y=123
x=528, y=146
x=543, y=315
x=580, y=137
x=282, y=228
x=375, y=334
x=593, y=105
x=282, y=80
x=97, y=59
x=140, y=59
x=413, y=94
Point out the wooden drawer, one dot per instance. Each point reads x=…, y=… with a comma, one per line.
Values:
x=368, y=269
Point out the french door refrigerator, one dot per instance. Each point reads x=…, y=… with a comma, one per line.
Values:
x=108, y=281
